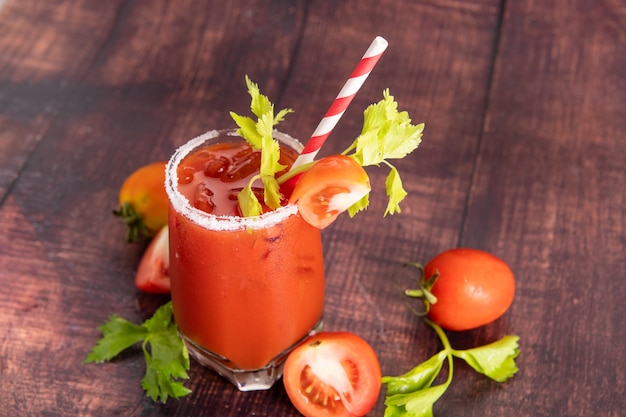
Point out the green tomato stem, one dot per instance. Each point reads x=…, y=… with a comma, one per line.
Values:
x=414, y=293
x=349, y=148
x=425, y=285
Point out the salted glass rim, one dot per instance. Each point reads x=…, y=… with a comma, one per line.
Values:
x=209, y=221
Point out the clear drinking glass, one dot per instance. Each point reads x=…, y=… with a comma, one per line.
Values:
x=245, y=291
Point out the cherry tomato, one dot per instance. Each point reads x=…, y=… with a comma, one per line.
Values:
x=333, y=374
x=153, y=272
x=328, y=188
x=473, y=288
x=143, y=201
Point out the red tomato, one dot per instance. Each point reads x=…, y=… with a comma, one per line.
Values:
x=328, y=188
x=333, y=374
x=473, y=288
x=153, y=272
x=143, y=201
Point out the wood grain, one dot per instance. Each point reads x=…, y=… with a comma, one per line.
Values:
x=523, y=156
x=555, y=128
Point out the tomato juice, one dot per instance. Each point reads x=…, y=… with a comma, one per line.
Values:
x=244, y=290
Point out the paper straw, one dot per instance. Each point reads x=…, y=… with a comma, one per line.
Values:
x=343, y=99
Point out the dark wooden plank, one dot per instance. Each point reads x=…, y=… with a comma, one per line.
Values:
x=548, y=196
x=440, y=74
x=162, y=74
x=37, y=67
x=90, y=90
x=154, y=69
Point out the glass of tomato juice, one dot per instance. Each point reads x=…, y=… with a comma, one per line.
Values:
x=245, y=290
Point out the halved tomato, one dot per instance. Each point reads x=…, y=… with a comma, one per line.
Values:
x=328, y=188
x=333, y=374
x=153, y=272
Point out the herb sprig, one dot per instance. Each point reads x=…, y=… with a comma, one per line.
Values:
x=165, y=353
x=413, y=395
x=259, y=135
x=386, y=134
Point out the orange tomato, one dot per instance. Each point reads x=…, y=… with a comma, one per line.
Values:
x=143, y=201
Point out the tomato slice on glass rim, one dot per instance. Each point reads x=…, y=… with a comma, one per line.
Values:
x=333, y=374
x=328, y=188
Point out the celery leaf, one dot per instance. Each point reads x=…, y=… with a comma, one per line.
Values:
x=495, y=360
x=118, y=334
x=165, y=353
x=248, y=201
x=420, y=377
x=386, y=134
x=259, y=135
x=395, y=191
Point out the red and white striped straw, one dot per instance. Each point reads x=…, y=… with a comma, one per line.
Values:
x=345, y=96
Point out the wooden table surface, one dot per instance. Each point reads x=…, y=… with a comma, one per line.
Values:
x=523, y=156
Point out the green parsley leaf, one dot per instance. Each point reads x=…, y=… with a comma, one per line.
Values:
x=165, y=353
x=495, y=360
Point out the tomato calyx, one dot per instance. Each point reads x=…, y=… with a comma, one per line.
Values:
x=135, y=227
x=424, y=290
